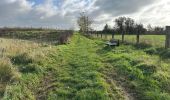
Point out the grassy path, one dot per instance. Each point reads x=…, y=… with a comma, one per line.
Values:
x=78, y=74
x=85, y=69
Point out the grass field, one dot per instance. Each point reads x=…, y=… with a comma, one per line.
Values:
x=153, y=40
x=85, y=69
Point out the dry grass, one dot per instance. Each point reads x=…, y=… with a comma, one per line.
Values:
x=12, y=48
x=7, y=73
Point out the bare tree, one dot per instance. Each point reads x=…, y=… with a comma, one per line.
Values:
x=139, y=30
x=106, y=30
x=120, y=24
x=158, y=30
x=129, y=25
x=84, y=23
x=150, y=28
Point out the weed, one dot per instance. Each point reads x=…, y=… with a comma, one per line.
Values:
x=22, y=59
x=151, y=51
x=7, y=72
x=30, y=68
x=165, y=54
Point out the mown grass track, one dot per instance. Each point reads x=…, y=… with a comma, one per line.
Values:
x=77, y=69
x=85, y=69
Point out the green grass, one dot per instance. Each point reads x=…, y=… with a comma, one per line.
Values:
x=142, y=69
x=78, y=76
x=85, y=69
x=146, y=75
x=66, y=72
x=153, y=40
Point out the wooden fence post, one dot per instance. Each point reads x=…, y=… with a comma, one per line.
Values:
x=101, y=34
x=167, y=42
x=113, y=35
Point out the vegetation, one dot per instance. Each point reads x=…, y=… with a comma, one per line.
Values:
x=38, y=35
x=84, y=23
x=85, y=69
x=127, y=26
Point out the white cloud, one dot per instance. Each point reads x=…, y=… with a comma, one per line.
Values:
x=46, y=10
x=63, y=13
x=157, y=13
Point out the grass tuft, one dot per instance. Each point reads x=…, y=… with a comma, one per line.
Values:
x=7, y=72
x=23, y=58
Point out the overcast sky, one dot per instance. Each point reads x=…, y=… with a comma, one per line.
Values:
x=63, y=13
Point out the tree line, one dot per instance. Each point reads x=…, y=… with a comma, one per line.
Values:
x=123, y=26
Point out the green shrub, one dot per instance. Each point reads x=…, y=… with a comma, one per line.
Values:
x=2, y=89
x=23, y=58
x=147, y=69
x=165, y=54
x=151, y=51
x=142, y=46
x=30, y=68
x=163, y=79
x=7, y=71
x=156, y=95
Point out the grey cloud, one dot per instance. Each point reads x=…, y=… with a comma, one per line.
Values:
x=119, y=7
x=24, y=13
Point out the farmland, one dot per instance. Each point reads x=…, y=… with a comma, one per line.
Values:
x=85, y=50
x=84, y=69
x=152, y=40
